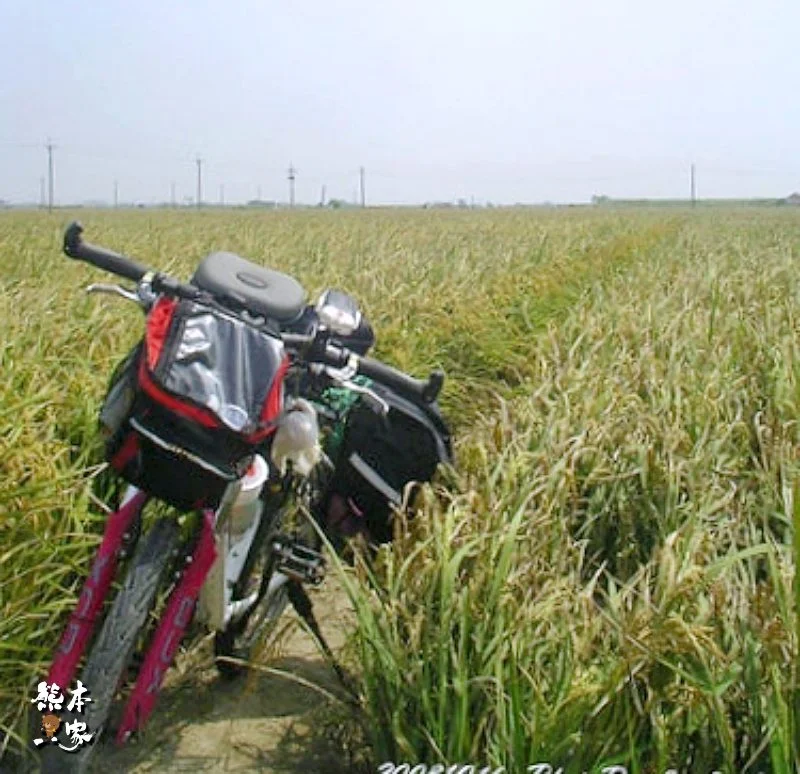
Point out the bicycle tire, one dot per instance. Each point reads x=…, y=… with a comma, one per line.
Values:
x=116, y=641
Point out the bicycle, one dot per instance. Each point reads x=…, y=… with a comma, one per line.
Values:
x=201, y=417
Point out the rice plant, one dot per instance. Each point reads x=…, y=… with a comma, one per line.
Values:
x=610, y=578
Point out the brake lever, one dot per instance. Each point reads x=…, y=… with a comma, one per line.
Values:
x=345, y=373
x=114, y=290
x=366, y=392
x=344, y=377
x=144, y=295
x=371, y=394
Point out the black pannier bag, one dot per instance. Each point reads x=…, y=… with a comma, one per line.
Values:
x=379, y=456
x=187, y=409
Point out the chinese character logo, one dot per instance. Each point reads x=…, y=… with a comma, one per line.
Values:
x=49, y=697
x=76, y=733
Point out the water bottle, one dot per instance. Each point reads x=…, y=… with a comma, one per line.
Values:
x=245, y=508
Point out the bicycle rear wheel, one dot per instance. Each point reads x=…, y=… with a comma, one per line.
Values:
x=116, y=642
x=239, y=637
x=262, y=573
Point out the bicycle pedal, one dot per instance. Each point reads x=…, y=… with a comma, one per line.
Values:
x=298, y=561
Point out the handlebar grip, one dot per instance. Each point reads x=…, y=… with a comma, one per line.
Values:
x=415, y=389
x=75, y=247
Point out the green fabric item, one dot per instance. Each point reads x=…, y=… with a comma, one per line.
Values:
x=341, y=400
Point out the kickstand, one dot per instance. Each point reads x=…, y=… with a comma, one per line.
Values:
x=305, y=609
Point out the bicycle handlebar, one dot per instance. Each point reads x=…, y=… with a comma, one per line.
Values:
x=315, y=351
x=121, y=265
x=75, y=247
x=338, y=357
x=427, y=391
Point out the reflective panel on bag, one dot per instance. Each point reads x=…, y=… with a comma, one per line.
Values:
x=220, y=364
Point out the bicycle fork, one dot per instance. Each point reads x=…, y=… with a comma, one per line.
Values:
x=177, y=615
x=170, y=631
x=81, y=623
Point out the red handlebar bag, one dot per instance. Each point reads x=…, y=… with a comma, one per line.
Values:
x=193, y=402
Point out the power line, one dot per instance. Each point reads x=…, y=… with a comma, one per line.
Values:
x=12, y=144
x=498, y=173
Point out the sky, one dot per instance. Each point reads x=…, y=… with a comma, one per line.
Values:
x=504, y=101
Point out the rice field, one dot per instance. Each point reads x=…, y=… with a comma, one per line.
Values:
x=609, y=576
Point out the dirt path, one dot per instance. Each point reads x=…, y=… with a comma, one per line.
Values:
x=260, y=722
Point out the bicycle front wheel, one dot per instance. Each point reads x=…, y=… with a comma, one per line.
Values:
x=117, y=640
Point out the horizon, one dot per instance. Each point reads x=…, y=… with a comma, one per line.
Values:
x=461, y=204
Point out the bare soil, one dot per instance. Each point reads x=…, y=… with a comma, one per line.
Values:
x=258, y=722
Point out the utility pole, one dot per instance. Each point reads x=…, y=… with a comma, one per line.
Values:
x=172, y=194
x=322, y=197
x=199, y=163
x=363, y=189
x=116, y=194
x=694, y=189
x=292, y=173
x=50, y=148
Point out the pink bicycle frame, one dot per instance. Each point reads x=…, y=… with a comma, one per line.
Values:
x=171, y=628
x=169, y=633
x=95, y=588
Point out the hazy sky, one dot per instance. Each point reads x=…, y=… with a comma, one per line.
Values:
x=503, y=100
